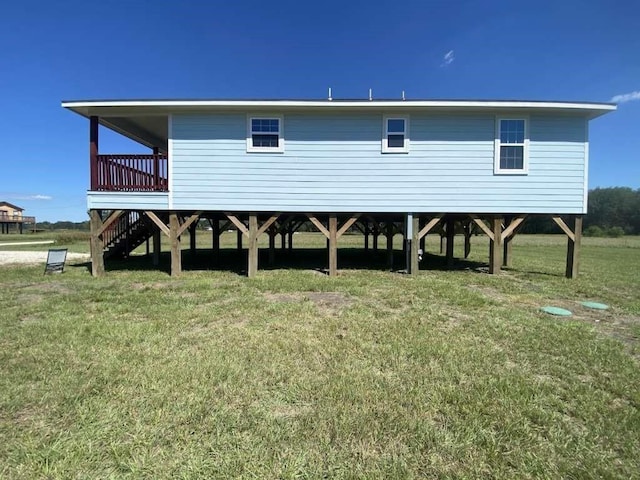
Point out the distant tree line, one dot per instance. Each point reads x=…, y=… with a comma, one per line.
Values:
x=613, y=212
x=63, y=225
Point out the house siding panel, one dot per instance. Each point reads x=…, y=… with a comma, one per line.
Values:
x=128, y=200
x=334, y=163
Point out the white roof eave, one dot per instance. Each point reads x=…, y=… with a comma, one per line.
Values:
x=114, y=107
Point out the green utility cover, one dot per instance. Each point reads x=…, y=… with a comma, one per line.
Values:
x=595, y=305
x=556, y=311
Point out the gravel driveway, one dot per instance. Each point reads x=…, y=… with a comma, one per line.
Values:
x=7, y=257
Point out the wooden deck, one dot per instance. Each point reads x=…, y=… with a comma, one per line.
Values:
x=17, y=219
x=15, y=222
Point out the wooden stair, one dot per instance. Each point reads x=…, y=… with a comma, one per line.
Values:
x=126, y=234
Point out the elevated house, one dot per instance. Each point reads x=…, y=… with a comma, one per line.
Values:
x=265, y=166
x=12, y=218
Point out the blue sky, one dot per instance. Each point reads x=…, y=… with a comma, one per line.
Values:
x=50, y=51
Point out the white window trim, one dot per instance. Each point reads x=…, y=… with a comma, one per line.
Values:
x=279, y=148
x=385, y=133
x=525, y=151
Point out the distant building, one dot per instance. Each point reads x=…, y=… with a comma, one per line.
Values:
x=11, y=217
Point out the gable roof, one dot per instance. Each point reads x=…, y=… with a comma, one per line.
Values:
x=11, y=205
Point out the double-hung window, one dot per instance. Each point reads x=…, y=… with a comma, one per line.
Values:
x=396, y=135
x=265, y=134
x=511, y=146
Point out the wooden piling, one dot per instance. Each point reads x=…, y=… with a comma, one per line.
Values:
x=415, y=242
x=252, y=267
x=573, y=248
x=174, y=238
x=451, y=234
x=495, y=244
x=96, y=244
x=156, y=246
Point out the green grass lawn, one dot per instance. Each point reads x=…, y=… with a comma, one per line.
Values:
x=292, y=374
x=74, y=240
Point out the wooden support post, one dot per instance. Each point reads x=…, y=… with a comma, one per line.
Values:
x=252, y=267
x=283, y=240
x=414, y=265
x=97, y=244
x=507, y=251
x=127, y=233
x=508, y=234
x=192, y=237
x=272, y=245
x=441, y=243
x=451, y=235
x=215, y=241
x=156, y=167
x=333, y=245
x=389, y=234
x=174, y=238
x=467, y=239
x=239, y=240
x=366, y=236
x=290, y=235
x=376, y=234
x=93, y=150
x=156, y=246
x=573, y=248
x=506, y=243
x=495, y=244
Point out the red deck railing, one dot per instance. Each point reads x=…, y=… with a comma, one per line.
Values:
x=129, y=173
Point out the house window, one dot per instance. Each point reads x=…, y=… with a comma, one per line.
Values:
x=265, y=134
x=396, y=135
x=511, y=146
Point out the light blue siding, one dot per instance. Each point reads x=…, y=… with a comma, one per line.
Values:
x=128, y=200
x=334, y=163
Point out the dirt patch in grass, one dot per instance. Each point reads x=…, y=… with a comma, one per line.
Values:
x=44, y=288
x=283, y=297
x=454, y=319
x=330, y=302
x=53, y=287
x=35, y=293
x=289, y=411
x=25, y=416
x=29, y=319
x=152, y=285
x=30, y=299
x=488, y=292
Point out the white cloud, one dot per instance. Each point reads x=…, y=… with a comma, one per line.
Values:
x=448, y=58
x=626, y=97
x=28, y=197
